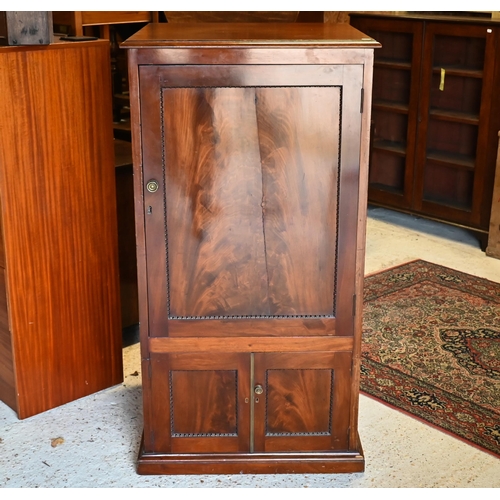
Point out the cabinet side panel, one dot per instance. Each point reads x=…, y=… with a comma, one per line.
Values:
x=59, y=215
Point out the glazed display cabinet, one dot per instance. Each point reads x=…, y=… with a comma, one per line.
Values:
x=435, y=115
x=250, y=145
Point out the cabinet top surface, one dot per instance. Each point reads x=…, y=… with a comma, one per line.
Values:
x=249, y=35
x=56, y=45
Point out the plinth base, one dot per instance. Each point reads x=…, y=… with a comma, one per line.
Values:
x=251, y=463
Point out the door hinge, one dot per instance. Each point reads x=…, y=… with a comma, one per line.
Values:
x=354, y=303
x=362, y=100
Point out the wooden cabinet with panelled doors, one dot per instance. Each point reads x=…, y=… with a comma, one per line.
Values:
x=250, y=157
x=436, y=115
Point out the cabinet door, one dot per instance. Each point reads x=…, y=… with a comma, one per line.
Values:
x=452, y=180
x=396, y=81
x=242, y=402
x=251, y=206
x=198, y=403
x=305, y=401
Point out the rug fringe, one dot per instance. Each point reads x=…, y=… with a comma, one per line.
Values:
x=423, y=421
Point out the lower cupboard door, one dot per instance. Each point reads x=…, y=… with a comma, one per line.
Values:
x=304, y=401
x=199, y=403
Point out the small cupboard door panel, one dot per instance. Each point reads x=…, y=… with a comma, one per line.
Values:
x=305, y=401
x=200, y=402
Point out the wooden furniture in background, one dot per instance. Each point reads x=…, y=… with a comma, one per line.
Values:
x=250, y=172
x=126, y=233
x=114, y=26
x=26, y=28
x=79, y=21
x=244, y=17
x=60, y=332
x=435, y=115
x=493, y=249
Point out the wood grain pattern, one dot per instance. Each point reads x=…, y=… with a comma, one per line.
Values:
x=59, y=221
x=305, y=401
x=200, y=401
x=204, y=35
x=211, y=409
x=248, y=327
x=299, y=156
x=292, y=403
x=214, y=196
x=249, y=344
x=248, y=211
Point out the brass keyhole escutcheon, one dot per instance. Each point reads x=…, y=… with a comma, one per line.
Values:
x=258, y=389
x=152, y=186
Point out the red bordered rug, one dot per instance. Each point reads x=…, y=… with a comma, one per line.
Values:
x=431, y=348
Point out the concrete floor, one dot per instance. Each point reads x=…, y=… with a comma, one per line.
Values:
x=102, y=432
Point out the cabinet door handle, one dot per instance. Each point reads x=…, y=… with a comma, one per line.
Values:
x=441, y=83
x=152, y=186
x=258, y=389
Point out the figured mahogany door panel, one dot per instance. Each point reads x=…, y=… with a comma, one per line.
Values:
x=304, y=401
x=216, y=256
x=251, y=199
x=247, y=208
x=200, y=402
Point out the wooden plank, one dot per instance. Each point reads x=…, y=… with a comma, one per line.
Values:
x=249, y=344
x=59, y=224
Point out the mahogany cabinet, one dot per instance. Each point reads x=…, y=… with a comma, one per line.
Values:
x=250, y=145
x=60, y=332
x=436, y=115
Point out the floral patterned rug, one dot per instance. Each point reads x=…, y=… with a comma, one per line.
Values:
x=431, y=347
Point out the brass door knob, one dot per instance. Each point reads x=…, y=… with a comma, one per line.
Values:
x=258, y=389
x=152, y=186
